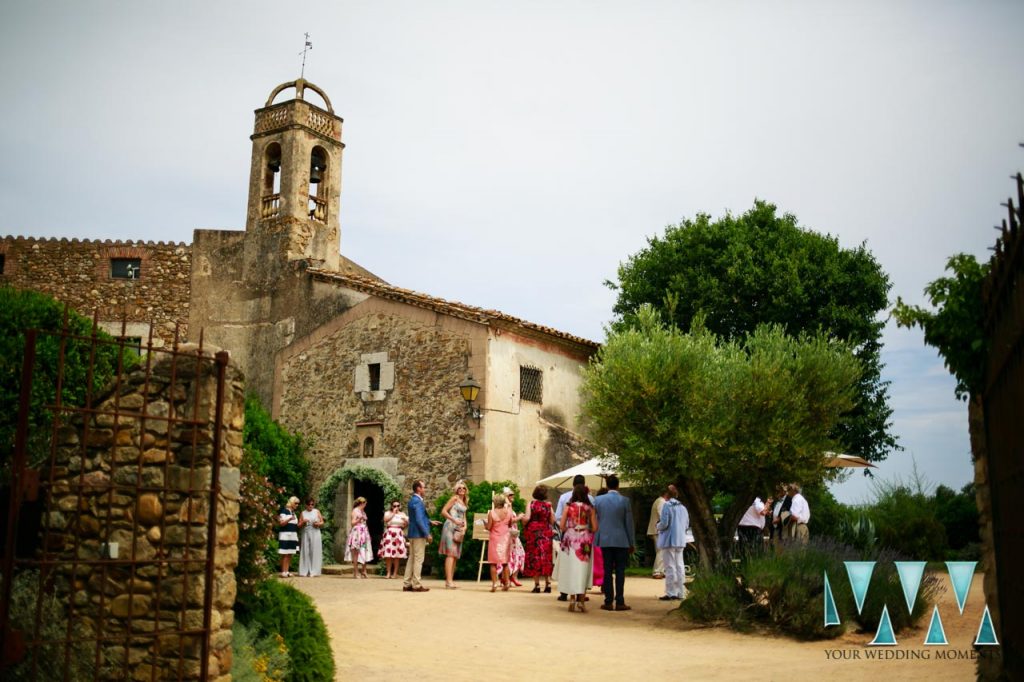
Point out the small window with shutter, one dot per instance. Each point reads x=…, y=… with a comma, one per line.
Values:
x=374, y=377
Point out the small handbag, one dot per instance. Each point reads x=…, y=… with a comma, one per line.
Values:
x=459, y=535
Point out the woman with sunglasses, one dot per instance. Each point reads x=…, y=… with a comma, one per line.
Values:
x=453, y=532
x=311, y=550
x=392, y=544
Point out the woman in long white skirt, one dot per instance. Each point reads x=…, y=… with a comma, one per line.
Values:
x=311, y=550
x=576, y=560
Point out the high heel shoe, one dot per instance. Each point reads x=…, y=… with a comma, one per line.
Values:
x=547, y=589
x=516, y=582
x=581, y=606
x=572, y=603
x=494, y=587
x=536, y=589
x=504, y=587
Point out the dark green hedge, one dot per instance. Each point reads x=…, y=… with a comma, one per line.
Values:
x=278, y=608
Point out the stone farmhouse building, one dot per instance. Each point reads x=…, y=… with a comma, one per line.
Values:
x=368, y=370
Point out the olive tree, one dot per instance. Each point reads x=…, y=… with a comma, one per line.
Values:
x=714, y=415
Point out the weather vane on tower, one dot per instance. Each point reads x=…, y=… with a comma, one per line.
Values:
x=306, y=48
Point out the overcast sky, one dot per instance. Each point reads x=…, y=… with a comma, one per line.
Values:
x=511, y=154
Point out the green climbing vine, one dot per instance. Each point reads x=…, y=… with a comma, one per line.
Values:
x=325, y=498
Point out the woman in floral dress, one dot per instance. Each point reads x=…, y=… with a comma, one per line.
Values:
x=538, y=533
x=358, y=549
x=575, y=565
x=450, y=546
x=392, y=545
x=516, y=553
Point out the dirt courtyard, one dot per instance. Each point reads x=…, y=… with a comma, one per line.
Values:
x=379, y=632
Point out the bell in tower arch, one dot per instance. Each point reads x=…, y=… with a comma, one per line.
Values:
x=317, y=165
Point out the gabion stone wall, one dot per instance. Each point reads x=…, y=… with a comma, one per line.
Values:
x=128, y=522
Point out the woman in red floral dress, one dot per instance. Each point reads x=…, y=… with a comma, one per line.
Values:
x=537, y=535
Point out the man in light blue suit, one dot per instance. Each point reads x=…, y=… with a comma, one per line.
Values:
x=671, y=542
x=616, y=538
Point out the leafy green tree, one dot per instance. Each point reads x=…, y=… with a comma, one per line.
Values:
x=957, y=512
x=761, y=268
x=717, y=416
x=276, y=452
x=21, y=310
x=956, y=328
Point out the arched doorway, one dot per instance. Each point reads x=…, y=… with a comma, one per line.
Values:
x=374, y=495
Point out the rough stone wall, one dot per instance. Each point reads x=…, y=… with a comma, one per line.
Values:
x=159, y=435
x=78, y=273
x=256, y=307
x=423, y=416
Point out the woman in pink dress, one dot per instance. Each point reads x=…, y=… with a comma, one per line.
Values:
x=498, y=523
x=598, y=557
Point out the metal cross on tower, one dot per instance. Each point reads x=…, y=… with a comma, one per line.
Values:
x=305, y=48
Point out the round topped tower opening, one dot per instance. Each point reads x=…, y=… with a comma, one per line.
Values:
x=301, y=85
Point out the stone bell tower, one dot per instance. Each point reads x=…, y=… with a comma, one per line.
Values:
x=294, y=184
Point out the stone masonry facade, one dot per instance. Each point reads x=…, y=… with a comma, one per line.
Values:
x=137, y=472
x=422, y=417
x=77, y=272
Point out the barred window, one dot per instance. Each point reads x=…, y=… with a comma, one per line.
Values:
x=132, y=344
x=531, y=384
x=125, y=268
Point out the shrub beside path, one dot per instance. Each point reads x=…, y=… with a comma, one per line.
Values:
x=380, y=632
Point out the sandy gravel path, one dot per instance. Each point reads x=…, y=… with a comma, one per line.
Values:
x=379, y=632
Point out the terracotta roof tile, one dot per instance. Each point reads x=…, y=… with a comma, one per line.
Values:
x=453, y=308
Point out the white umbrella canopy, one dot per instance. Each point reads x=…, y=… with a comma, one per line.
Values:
x=836, y=461
x=594, y=471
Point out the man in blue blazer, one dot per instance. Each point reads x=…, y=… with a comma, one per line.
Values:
x=616, y=538
x=671, y=542
x=419, y=536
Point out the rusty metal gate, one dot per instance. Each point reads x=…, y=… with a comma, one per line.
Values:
x=1003, y=400
x=110, y=527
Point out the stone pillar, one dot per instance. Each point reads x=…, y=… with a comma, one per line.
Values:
x=129, y=518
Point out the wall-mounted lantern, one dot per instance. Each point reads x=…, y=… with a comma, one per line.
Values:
x=469, y=389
